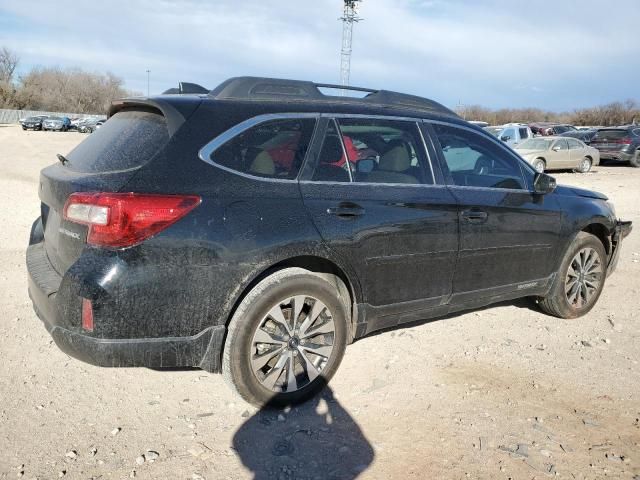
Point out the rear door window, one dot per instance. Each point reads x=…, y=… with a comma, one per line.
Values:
x=373, y=151
x=272, y=149
x=128, y=140
x=524, y=133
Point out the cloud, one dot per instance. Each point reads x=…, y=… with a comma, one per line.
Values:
x=477, y=52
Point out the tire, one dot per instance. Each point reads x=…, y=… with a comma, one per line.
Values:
x=560, y=302
x=24, y=128
x=635, y=161
x=259, y=371
x=539, y=165
x=585, y=165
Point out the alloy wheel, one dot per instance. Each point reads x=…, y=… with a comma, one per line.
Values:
x=584, y=277
x=292, y=344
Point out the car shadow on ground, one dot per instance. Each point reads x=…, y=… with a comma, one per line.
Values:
x=314, y=440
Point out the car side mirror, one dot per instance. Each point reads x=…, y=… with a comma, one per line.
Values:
x=505, y=138
x=543, y=184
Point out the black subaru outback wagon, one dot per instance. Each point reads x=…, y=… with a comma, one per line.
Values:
x=257, y=229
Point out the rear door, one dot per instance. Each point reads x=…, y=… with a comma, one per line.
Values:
x=508, y=235
x=104, y=162
x=576, y=152
x=373, y=196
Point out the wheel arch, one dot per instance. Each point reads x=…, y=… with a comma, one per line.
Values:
x=321, y=266
x=600, y=231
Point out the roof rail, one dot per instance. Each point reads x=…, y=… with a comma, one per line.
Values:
x=278, y=89
x=186, y=88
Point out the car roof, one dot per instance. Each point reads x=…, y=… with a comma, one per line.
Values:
x=300, y=96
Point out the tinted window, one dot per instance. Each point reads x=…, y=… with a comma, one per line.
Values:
x=273, y=149
x=128, y=140
x=524, y=133
x=377, y=151
x=476, y=161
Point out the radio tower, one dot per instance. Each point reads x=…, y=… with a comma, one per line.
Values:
x=350, y=16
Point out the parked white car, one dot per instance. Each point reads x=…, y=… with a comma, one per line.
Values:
x=548, y=153
x=511, y=133
x=514, y=133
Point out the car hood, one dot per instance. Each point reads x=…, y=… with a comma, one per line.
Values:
x=580, y=192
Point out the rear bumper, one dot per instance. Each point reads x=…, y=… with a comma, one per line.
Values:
x=621, y=156
x=202, y=350
x=622, y=230
x=61, y=319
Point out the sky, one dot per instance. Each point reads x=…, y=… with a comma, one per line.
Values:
x=557, y=55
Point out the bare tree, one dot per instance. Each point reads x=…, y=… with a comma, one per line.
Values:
x=8, y=64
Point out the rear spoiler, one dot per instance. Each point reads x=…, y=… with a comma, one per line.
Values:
x=186, y=88
x=175, y=112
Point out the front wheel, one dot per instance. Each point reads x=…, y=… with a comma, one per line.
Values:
x=539, y=165
x=585, y=165
x=580, y=280
x=286, y=338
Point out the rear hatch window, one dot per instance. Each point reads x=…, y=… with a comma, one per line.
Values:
x=611, y=134
x=128, y=140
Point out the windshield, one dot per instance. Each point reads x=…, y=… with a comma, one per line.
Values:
x=54, y=118
x=535, y=144
x=32, y=119
x=495, y=131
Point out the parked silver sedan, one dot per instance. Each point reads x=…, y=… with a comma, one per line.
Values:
x=549, y=153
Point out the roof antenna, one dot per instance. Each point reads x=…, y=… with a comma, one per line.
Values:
x=348, y=18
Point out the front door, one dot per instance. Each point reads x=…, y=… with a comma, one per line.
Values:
x=372, y=195
x=508, y=234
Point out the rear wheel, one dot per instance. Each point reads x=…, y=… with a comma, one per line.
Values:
x=286, y=338
x=635, y=161
x=539, y=165
x=585, y=165
x=580, y=280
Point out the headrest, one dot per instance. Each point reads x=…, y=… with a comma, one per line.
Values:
x=263, y=164
x=332, y=150
x=395, y=160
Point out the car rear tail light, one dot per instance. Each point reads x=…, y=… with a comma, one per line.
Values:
x=126, y=219
x=625, y=141
x=87, y=315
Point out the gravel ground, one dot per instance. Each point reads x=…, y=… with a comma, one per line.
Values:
x=502, y=392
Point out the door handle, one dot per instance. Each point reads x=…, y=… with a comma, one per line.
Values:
x=474, y=216
x=346, y=210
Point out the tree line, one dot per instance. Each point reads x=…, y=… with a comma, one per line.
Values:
x=616, y=113
x=54, y=89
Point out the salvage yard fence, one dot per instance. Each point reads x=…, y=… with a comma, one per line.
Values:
x=12, y=116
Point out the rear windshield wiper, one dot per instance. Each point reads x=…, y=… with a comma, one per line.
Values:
x=63, y=159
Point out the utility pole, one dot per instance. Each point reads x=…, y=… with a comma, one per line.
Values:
x=349, y=17
x=148, y=72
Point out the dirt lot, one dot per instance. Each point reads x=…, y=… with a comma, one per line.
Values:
x=504, y=392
